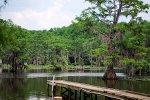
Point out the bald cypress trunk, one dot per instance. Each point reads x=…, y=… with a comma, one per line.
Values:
x=110, y=72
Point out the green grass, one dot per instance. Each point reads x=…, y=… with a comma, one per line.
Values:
x=38, y=67
x=66, y=67
x=84, y=67
x=5, y=66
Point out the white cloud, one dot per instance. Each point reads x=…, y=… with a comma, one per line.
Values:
x=53, y=16
x=45, y=14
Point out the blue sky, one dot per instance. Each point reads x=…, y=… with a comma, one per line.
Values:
x=46, y=14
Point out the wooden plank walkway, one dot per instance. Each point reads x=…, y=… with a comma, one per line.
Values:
x=109, y=92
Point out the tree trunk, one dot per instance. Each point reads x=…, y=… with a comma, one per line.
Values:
x=99, y=63
x=110, y=72
x=75, y=57
x=37, y=61
x=96, y=61
x=140, y=72
x=13, y=61
x=14, y=67
x=79, y=58
x=67, y=58
x=91, y=59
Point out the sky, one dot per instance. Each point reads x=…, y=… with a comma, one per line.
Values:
x=46, y=14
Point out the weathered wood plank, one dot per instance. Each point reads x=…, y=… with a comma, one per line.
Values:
x=109, y=92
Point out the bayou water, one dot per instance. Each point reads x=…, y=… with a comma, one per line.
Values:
x=33, y=85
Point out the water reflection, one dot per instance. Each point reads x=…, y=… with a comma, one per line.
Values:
x=23, y=89
x=12, y=88
x=110, y=83
x=33, y=86
x=13, y=75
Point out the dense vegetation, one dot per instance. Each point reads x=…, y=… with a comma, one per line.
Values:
x=92, y=39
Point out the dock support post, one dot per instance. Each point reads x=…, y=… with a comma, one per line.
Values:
x=61, y=90
x=53, y=92
x=84, y=96
x=64, y=91
x=75, y=95
x=69, y=93
x=87, y=96
x=91, y=97
x=80, y=95
x=48, y=89
x=95, y=96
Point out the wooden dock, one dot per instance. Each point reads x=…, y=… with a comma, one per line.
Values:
x=90, y=89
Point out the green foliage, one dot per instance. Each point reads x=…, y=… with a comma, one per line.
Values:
x=102, y=50
x=5, y=33
x=29, y=67
x=128, y=61
x=136, y=53
x=135, y=63
x=105, y=8
x=86, y=40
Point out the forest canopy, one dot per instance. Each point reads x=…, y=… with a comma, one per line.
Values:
x=92, y=39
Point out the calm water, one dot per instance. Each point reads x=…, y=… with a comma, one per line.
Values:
x=33, y=86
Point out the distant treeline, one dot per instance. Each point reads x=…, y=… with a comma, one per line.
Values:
x=77, y=44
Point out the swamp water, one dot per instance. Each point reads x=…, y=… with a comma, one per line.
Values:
x=33, y=85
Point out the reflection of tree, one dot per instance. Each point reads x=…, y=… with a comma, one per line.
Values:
x=12, y=87
x=21, y=89
x=37, y=87
x=110, y=83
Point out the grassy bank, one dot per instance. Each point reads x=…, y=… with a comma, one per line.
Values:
x=68, y=67
x=5, y=66
x=30, y=67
